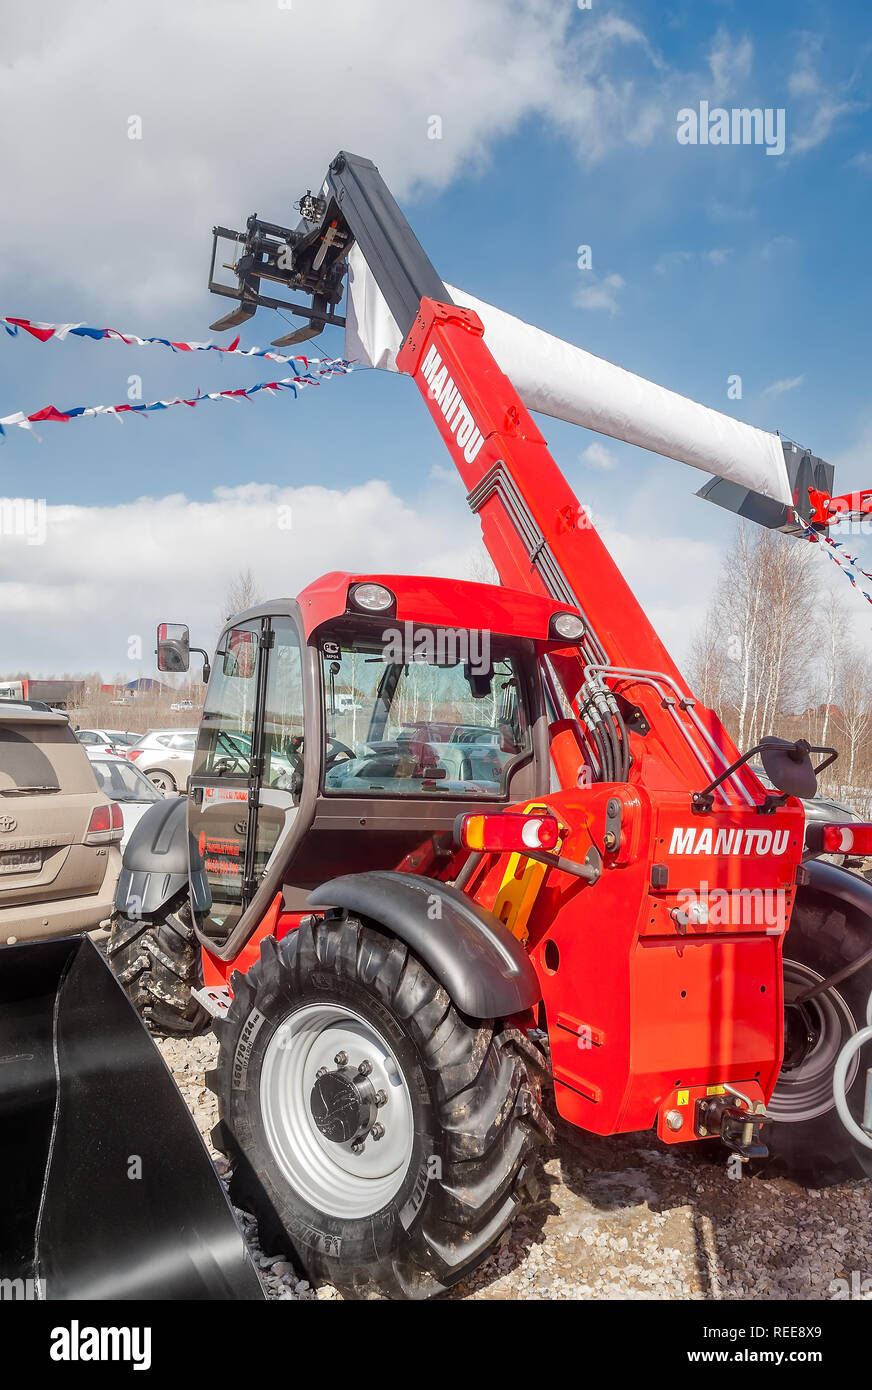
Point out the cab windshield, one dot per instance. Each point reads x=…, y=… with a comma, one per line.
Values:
x=435, y=725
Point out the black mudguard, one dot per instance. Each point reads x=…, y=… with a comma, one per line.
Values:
x=155, y=865
x=829, y=880
x=106, y=1188
x=485, y=969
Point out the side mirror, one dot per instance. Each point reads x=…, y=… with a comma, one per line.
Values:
x=173, y=647
x=788, y=766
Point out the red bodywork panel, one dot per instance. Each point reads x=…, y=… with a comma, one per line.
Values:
x=436, y=603
x=645, y=1010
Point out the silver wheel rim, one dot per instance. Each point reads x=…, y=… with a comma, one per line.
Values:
x=327, y=1174
x=162, y=782
x=806, y=1092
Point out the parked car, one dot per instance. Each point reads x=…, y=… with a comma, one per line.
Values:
x=166, y=757
x=127, y=786
x=183, y=704
x=109, y=740
x=59, y=834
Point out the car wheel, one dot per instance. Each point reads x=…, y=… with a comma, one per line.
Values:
x=163, y=781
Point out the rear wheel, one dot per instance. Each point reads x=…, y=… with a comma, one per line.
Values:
x=163, y=781
x=158, y=963
x=380, y=1136
x=805, y=1136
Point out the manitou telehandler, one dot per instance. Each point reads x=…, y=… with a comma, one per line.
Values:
x=444, y=840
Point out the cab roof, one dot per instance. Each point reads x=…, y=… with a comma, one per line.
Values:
x=436, y=602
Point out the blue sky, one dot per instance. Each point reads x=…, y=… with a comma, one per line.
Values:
x=558, y=130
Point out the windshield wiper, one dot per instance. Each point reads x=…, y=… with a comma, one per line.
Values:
x=24, y=791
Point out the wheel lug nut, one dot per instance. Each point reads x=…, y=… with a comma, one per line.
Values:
x=377, y=1131
x=322, y=1071
x=341, y=1059
x=381, y=1098
x=365, y=1068
x=358, y=1146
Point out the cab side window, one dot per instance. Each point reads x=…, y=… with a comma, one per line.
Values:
x=283, y=713
x=227, y=726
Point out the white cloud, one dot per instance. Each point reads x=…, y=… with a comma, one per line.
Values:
x=106, y=573
x=670, y=260
x=788, y=383
x=730, y=63
x=243, y=106
x=596, y=455
x=817, y=108
x=599, y=294
x=777, y=246
x=109, y=573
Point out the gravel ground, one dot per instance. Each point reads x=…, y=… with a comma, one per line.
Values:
x=627, y=1218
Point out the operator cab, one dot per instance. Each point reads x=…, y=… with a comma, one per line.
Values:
x=345, y=731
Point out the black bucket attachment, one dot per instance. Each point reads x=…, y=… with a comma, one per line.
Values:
x=106, y=1188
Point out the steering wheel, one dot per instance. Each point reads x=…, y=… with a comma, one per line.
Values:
x=232, y=758
x=337, y=750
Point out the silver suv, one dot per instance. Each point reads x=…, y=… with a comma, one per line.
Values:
x=166, y=757
x=59, y=834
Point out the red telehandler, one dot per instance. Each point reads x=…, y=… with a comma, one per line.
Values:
x=444, y=840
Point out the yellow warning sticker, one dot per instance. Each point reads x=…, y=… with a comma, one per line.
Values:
x=683, y=1098
x=715, y=1091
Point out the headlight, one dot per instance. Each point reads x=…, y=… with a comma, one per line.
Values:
x=567, y=625
x=371, y=598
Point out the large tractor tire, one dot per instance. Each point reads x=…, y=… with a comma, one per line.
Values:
x=158, y=963
x=805, y=1136
x=381, y=1137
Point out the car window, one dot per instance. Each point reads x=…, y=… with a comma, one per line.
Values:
x=183, y=741
x=165, y=740
x=88, y=736
x=123, y=782
x=41, y=758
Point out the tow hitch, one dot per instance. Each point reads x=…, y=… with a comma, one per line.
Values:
x=735, y=1119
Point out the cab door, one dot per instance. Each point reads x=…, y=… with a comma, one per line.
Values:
x=247, y=774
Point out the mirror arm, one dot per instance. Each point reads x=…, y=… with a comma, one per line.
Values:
x=704, y=800
x=207, y=670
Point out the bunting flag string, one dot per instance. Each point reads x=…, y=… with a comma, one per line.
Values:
x=43, y=332
x=323, y=370
x=837, y=553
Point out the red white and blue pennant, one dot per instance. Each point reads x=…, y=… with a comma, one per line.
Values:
x=44, y=332
x=316, y=374
x=314, y=371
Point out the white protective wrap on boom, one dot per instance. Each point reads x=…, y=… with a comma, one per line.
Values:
x=566, y=382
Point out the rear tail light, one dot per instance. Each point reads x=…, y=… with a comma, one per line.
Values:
x=135, y=753
x=106, y=826
x=840, y=839
x=508, y=831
